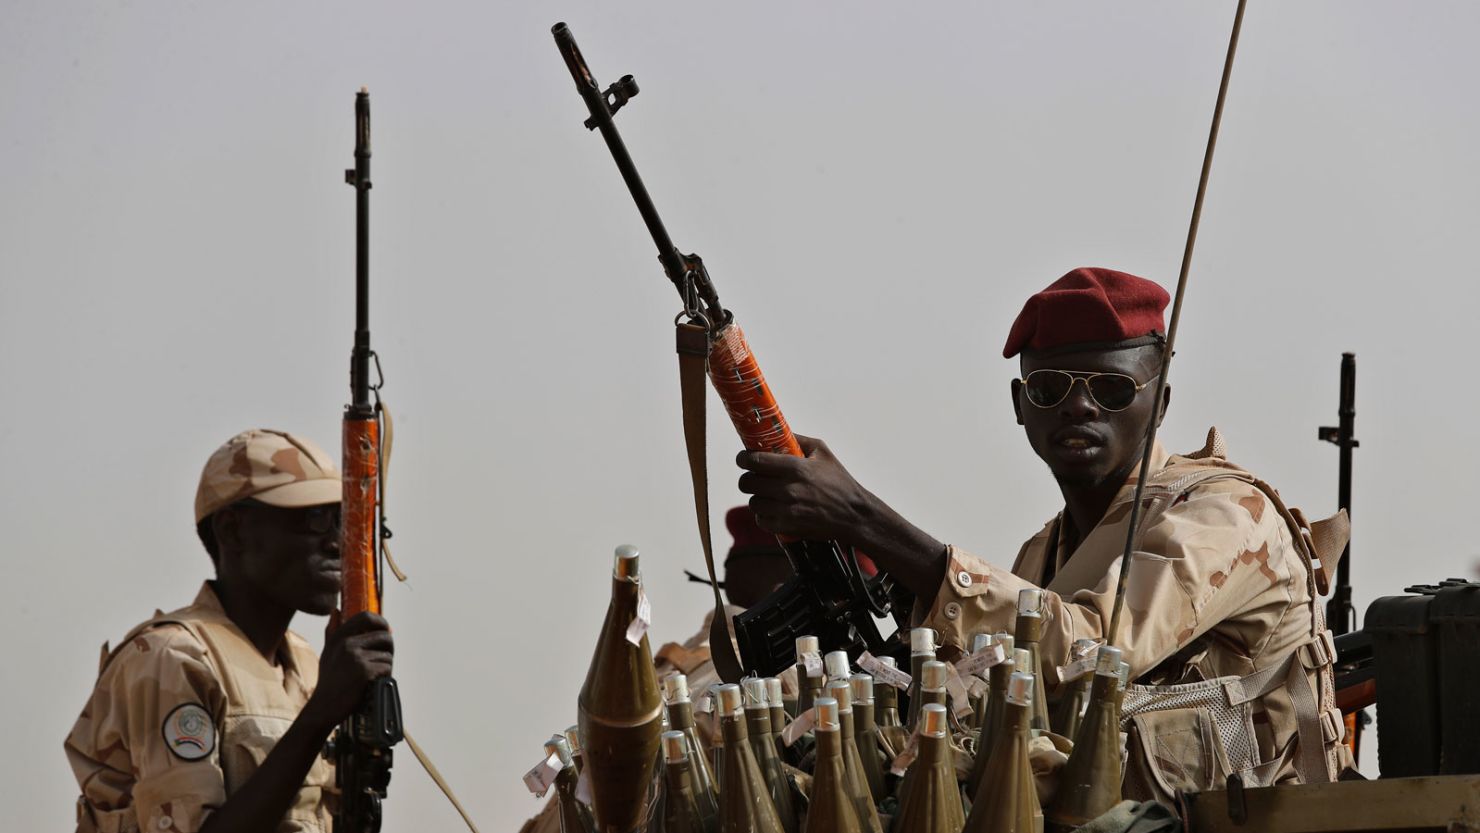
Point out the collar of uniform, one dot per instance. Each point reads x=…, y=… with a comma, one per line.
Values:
x=206, y=601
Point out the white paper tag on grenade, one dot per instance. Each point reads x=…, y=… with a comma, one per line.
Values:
x=884, y=673
x=639, y=626
x=539, y=779
x=977, y=663
x=903, y=760
x=1077, y=668
x=960, y=698
x=804, y=723
x=812, y=661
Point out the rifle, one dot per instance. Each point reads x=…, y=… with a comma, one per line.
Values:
x=830, y=596
x=1341, y=615
x=361, y=746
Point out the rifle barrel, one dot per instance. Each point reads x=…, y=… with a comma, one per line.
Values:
x=359, y=178
x=602, y=108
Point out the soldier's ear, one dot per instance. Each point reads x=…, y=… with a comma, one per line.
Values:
x=227, y=524
x=1017, y=400
x=1166, y=401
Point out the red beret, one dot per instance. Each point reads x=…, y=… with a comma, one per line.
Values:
x=750, y=539
x=741, y=523
x=1089, y=306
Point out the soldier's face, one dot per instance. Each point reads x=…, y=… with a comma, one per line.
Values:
x=1084, y=444
x=290, y=556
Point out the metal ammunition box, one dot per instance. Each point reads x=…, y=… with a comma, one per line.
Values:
x=1455, y=613
x=1427, y=651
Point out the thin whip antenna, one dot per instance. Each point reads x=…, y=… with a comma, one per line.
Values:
x=1166, y=354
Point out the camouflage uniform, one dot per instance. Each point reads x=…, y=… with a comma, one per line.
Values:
x=1224, y=585
x=142, y=767
x=186, y=708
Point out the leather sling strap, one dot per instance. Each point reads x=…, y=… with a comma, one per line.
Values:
x=693, y=360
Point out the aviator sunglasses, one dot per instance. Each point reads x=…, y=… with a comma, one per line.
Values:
x=1111, y=391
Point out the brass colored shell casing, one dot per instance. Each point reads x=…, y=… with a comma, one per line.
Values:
x=1006, y=800
x=833, y=810
x=1089, y=784
x=680, y=806
x=620, y=710
x=930, y=800
x=1028, y=631
x=745, y=803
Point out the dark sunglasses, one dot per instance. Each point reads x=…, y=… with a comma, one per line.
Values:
x=1111, y=391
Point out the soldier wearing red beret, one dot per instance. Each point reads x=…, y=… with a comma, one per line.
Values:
x=1224, y=582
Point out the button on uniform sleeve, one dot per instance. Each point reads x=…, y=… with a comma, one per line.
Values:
x=148, y=740
x=1205, y=559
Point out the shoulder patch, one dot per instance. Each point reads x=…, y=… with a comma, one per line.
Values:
x=189, y=732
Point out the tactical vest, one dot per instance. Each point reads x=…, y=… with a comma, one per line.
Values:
x=258, y=713
x=1190, y=737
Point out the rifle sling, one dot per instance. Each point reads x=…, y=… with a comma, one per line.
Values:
x=693, y=360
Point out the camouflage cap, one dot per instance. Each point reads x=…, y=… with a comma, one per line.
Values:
x=274, y=467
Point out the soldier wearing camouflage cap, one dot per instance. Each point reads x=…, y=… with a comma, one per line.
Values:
x=1224, y=582
x=212, y=717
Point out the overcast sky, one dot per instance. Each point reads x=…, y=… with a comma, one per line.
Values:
x=875, y=188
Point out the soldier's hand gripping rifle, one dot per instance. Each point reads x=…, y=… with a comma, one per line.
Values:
x=361, y=747
x=830, y=596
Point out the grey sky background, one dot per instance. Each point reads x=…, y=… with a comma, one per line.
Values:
x=875, y=187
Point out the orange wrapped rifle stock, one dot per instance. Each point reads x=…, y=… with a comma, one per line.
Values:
x=741, y=386
x=359, y=532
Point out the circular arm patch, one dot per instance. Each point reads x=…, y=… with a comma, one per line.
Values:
x=189, y=732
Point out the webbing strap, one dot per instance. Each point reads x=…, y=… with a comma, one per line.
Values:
x=693, y=359
x=1290, y=674
x=431, y=768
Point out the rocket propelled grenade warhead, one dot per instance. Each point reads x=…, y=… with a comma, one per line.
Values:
x=1029, y=631
x=1089, y=784
x=763, y=744
x=841, y=692
x=995, y=706
x=1006, y=799
x=681, y=812
x=832, y=809
x=923, y=644
x=1071, y=705
x=620, y=709
x=681, y=719
x=867, y=736
x=836, y=665
x=745, y=802
x=930, y=801
x=810, y=672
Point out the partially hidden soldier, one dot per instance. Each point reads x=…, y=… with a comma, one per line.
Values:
x=212, y=717
x=1221, y=628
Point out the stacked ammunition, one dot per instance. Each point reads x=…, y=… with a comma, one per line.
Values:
x=826, y=749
